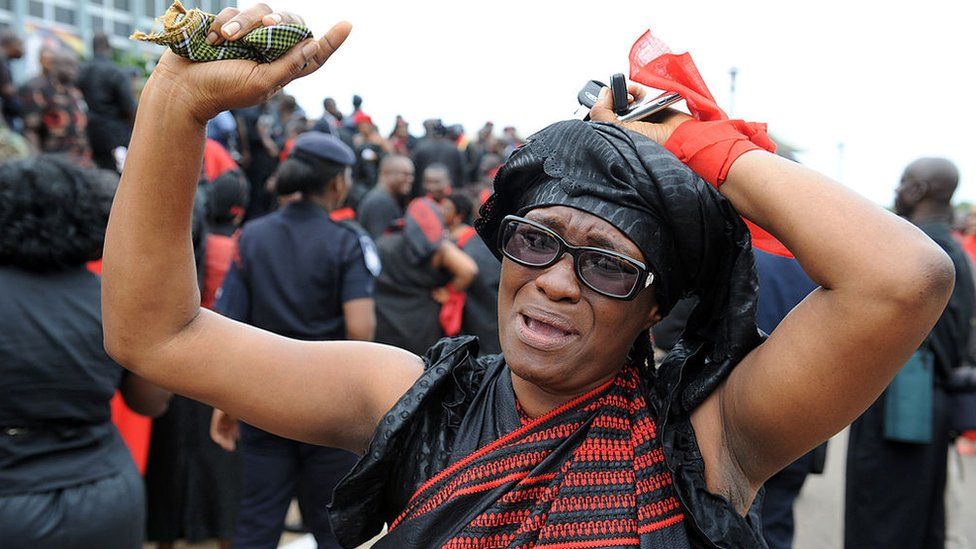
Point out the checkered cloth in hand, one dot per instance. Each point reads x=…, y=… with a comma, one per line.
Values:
x=185, y=32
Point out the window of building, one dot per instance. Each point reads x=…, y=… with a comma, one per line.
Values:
x=122, y=29
x=6, y=5
x=35, y=8
x=64, y=15
x=97, y=24
x=150, y=7
x=122, y=5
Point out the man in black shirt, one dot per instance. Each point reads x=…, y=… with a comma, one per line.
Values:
x=436, y=148
x=11, y=47
x=382, y=204
x=111, y=107
x=895, y=489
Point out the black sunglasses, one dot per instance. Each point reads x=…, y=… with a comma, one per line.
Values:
x=606, y=272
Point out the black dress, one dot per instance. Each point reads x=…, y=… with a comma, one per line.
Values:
x=193, y=486
x=66, y=478
x=454, y=408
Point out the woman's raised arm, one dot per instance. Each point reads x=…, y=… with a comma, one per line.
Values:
x=883, y=286
x=329, y=393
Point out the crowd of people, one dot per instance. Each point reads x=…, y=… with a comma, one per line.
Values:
x=327, y=229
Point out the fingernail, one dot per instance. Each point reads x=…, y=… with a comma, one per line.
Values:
x=212, y=38
x=276, y=17
x=230, y=29
x=603, y=92
x=310, y=49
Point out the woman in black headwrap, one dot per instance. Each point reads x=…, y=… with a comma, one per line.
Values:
x=571, y=437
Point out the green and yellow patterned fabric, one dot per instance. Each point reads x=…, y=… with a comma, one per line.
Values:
x=185, y=32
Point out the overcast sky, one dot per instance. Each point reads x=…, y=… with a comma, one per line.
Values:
x=890, y=81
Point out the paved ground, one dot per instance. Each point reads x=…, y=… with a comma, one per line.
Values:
x=819, y=510
x=820, y=507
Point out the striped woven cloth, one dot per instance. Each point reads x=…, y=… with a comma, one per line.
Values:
x=185, y=32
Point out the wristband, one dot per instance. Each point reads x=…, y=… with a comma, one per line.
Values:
x=710, y=148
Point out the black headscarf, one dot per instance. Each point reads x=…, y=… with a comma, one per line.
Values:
x=693, y=240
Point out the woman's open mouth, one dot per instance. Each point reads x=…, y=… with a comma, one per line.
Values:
x=544, y=335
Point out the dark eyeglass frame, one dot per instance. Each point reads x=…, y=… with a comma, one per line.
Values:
x=644, y=275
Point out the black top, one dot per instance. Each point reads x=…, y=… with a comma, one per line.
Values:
x=56, y=382
x=296, y=268
x=481, y=306
x=949, y=339
x=406, y=313
x=107, y=90
x=9, y=104
x=456, y=407
x=377, y=210
x=436, y=150
x=782, y=285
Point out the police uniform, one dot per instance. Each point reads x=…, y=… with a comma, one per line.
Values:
x=294, y=270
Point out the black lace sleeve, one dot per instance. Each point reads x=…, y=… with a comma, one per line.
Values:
x=412, y=442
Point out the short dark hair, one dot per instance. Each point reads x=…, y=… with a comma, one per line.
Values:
x=53, y=213
x=9, y=37
x=227, y=193
x=462, y=205
x=306, y=173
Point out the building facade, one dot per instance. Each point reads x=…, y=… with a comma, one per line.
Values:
x=74, y=22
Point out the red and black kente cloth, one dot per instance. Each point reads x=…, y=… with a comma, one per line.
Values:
x=589, y=474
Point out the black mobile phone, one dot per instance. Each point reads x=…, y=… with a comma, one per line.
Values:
x=588, y=95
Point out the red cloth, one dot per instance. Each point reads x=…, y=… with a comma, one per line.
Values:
x=452, y=312
x=343, y=214
x=422, y=211
x=711, y=143
x=360, y=117
x=135, y=430
x=216, y=160
x=710, y=148
x=286, y=149
x=220, y=251
x=969, y=244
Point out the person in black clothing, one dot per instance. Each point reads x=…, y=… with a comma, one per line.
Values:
x=66, y=477
x=111, y=106
x=11, y=47
x=436, y=148
x=417, y=260
x=895, y=496
x=481, y=304
x=299, y=274
x=382, y=204
x=604, y=207
x=259, y=158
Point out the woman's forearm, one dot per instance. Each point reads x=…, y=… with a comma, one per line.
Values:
x=839, y=238
x=150, y=286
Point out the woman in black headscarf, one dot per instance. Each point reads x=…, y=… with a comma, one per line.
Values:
x=571, y=437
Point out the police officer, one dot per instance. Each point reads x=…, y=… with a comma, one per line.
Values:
x=299, y=274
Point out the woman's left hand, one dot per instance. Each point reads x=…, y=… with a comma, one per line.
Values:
x=209, y=88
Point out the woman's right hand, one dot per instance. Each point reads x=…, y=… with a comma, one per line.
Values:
x=209, y=88
x=224, y=430
x=659, y=132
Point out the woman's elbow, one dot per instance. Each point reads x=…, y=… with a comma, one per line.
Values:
x=926, y=280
